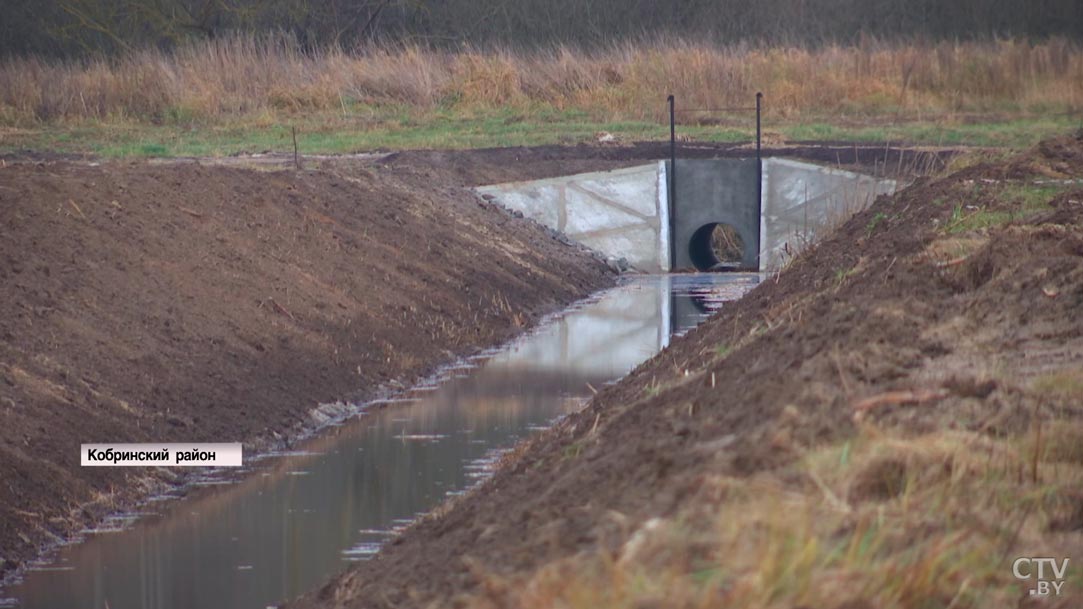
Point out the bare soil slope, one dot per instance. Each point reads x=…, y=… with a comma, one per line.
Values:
x=950, y=308
x=190, y=303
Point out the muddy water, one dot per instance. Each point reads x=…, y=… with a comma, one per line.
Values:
x=300, y=517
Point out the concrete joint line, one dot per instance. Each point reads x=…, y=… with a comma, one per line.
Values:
x=615, y=230
x=603, y=200
x=562, y=208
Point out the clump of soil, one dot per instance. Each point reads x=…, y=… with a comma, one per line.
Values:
x=872, y=327
x=191, y=303
x=1054, y=158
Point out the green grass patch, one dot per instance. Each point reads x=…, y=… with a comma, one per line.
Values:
x=369, y=128
x=876, y=220
x=1031, y=197
x=1011, y=201
x=1013, y=133
x=964, y=220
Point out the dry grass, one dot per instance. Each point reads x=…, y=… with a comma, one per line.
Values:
x=880, y=521
x=1065, y=384
x=251, y=76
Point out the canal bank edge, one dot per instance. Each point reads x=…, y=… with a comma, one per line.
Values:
x=929, y=334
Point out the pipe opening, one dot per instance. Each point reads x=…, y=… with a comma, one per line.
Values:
x=716, y=247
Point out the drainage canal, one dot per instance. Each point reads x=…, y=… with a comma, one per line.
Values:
x=299, y=517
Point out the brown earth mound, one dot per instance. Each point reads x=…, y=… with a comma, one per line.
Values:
x=946, y=307
x=1055, y=158
x=190, y=303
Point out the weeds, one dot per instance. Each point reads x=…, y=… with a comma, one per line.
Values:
x=998, y=204
x=841, y=275
x=572, y=451
x=932, y=92
x=928, y=521
x=1030, y=197
x=963, y=221
x=1065, y=384
x=877, y=218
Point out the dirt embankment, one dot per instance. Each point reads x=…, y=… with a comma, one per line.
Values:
x=190, y=303
x=922, y=343
x=497, y=165
x=485, y=166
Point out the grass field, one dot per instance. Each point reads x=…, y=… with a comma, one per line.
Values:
x=329, y=134
x=247, y=95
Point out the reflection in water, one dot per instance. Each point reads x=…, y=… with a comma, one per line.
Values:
x=296, y=520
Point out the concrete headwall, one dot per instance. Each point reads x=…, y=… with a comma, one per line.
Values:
x=618, y=213
x=715, y=191
x=625, y=213
x=802, y=202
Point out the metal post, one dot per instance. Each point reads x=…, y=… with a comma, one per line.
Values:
x=759, y=133
x=759, y=161
x=672, y=182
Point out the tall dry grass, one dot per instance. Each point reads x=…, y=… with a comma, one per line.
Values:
x=240, y=76
x=879, y=521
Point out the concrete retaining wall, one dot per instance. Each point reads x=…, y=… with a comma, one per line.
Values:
x=802, y=202
x=618, y=213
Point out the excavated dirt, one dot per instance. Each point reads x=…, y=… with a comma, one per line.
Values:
x=497, y=165
x=901, y=318
x=192, y=303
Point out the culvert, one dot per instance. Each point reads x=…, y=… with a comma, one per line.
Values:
x=626, y=213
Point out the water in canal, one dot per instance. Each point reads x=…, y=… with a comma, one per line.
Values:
x=301, y=517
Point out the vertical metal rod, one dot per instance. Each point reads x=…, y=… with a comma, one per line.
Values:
x=759, y=132
x=296, y=157
x=759, y=162
x=672, y=184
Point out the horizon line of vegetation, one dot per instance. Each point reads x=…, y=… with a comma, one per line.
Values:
x=251, y=75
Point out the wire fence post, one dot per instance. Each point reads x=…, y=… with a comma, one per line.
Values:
x=672, y=183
